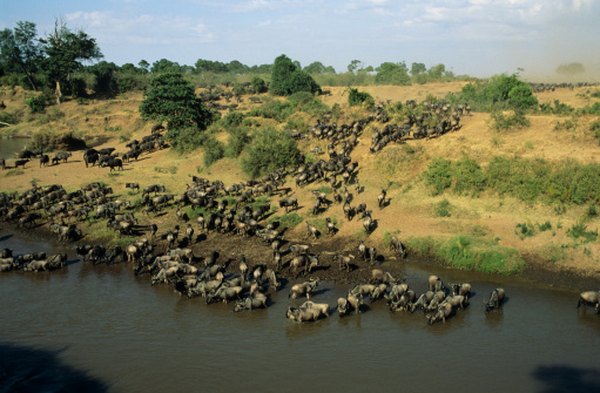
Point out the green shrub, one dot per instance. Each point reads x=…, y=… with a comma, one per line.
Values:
x=579, y=230
x=469, y=177
x=9, y=117
x=287, y=78
x=308, y=103
x=592, y=211
x=502, y=122
x=524, y=230
x=556, y=108
x=545, y=226
x=273, y=109
x=214, y=150
x=443, y=208
x=38, y=103
x=268, y=151
x=439, y=175
x=356, y=97
x=567, y=125
x=238, y=139
x=500, y=92
x=232, y=119
x=186, y=138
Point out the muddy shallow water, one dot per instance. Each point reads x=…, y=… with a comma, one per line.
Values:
x=102, y=329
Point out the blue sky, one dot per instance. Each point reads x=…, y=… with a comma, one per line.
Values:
x=476, y=37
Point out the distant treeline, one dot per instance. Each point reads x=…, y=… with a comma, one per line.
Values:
x=67, y=62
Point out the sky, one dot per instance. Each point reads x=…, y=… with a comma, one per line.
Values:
x=474, y=37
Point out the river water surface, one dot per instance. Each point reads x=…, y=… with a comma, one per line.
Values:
x=97, y=328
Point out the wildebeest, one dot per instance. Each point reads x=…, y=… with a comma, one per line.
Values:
x=133, y=186
x=90, y=157
x=62, y=156
x=22, y=163
x=44, y=160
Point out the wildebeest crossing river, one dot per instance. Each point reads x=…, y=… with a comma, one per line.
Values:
x=102, y=329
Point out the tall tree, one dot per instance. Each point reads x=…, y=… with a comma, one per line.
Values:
x=20, y=51
x=287, y=78
x=172, y=98
x=66, y=51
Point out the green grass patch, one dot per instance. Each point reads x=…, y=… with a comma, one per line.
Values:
x=580, y=231
x=288, y=220
x=470, y=253
x=546, y=226
x=530, y=180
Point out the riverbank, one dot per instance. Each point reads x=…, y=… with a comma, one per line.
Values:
x=232, y=247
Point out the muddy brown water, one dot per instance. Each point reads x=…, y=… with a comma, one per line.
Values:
x=97, y=328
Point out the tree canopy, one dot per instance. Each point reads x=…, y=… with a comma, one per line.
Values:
x=392, y=74
x=287, y=78
x=65, y=51
x=172, y=99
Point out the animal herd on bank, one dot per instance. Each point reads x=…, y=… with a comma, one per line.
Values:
x=176, y=257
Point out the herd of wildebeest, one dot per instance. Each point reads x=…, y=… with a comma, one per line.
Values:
x=246, y=209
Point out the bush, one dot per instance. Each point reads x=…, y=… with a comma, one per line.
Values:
x=500, y=92
x=186, y=138
x=232, y=119
x=268, y=151
x=308, y=103
x=287, y=78
x=213, y=151
x=579, y=230
x=439, y=175
x=468, y=177
x=443, y=208
x=37, y=104
x=238, y=139
x=273, y=109
x=356, y=97
x=259, y=85
x=523, y=230
x=502, y=122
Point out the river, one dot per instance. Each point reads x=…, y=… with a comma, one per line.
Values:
x=10, y=146
x=97, y=328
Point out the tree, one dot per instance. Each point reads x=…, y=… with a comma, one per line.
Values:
x=259, y=85
x=144, y=65
x=171, y=98
x=105, y=83
x=355, y=66
x=437, y=72
x=164, y=65
x=318, y=68
x=393, y=74
x=287, y=78
x=417, y=69
x=65, y=51
x=21, y=52
x=270, y=150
